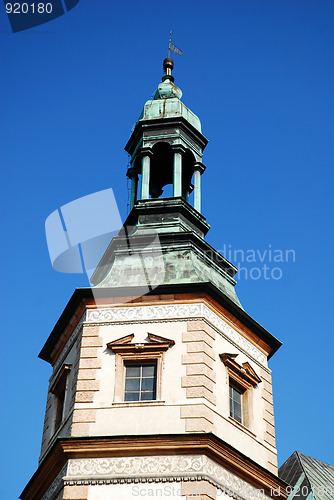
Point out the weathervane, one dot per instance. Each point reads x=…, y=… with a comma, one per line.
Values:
x=172, y=47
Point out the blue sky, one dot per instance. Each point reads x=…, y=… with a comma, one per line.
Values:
x=259, y=74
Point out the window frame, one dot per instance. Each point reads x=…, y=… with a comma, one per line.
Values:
x=59, y=391
x=243, y=378
x=241, y=391
x=142, y=362
x=128, y=352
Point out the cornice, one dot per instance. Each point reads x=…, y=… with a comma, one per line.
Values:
x=100, y=456
x=172, y=205
x=82, y=295
x=144, y=127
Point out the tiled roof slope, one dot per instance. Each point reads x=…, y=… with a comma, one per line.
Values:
x=310, y=478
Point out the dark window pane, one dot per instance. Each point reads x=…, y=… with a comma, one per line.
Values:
x=59, y=402
x=236, y=394
x=147, y=396
x=148, y=384
x=149, y=370
x=131, y=396
x=132, y=371
x=132, y=384
x=59, y=411
x=236, y=404
x=140, y=381
x=237, y=410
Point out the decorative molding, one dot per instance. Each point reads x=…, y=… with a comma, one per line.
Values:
x=224, y=328
x=170, y=312
x=99, y=460
x=60, y=379
x=160, y=469
x=155, y=344
x=132, y=466
x=144, y=313
x=243, y=374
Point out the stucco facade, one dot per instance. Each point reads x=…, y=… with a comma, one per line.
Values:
x=194, y=380
x=160, y=384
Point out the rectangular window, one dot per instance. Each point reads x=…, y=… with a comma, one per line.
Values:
x=140, y=381
x=59, y=404
x=58, y=389
x=236, y=403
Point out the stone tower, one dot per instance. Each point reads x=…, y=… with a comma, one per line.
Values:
x=160, y=384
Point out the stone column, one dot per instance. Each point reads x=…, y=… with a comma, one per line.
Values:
x=132, y=174
x=145, y=176
x=177, y=174
x=198, y=170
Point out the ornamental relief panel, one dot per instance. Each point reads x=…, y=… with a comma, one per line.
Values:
x=172, y=312
x=160, y=469
x=129, y=466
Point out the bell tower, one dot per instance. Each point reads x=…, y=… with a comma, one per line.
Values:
x=160, y=385
x=166, y=146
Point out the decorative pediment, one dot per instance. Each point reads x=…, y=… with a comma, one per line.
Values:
x=155, y=344
x=243, y=374
x=123, y=340
x=160, y=340
x=251, y=371
x=60, y=379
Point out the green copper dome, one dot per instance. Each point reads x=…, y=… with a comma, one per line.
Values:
x=167, y=89
x=166, y=102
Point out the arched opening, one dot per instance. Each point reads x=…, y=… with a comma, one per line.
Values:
x=167, y=171
x=161, y=171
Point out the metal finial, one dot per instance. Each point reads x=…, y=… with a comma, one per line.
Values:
x=168, y=62
x=169, y=45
